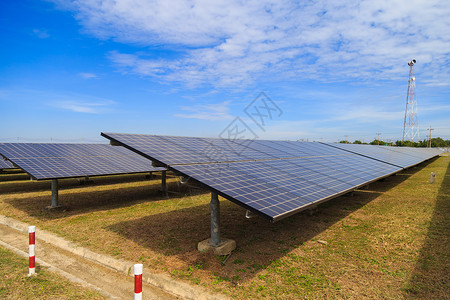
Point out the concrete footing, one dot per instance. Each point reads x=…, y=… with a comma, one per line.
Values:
x=224, y=248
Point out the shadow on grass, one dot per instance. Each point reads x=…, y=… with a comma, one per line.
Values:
x=13, y=175
x=431, y=276
x=24, y=186
x=82, y=200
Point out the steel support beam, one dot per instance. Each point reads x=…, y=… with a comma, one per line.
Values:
x=215, y=220
x=54, y=193
x=163, y=183
x=216, y=244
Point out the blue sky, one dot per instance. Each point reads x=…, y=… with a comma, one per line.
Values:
x=71, y=69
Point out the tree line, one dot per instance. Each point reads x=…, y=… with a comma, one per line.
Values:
x=435, y=142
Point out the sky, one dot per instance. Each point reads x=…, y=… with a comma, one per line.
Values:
x=284, y=70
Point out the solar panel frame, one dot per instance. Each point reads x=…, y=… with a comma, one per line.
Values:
x=170, y=152
x=6, y=164
x=58, y=161
x=238, y=194
x=399, y=156
x=214, y=175
x=422, y=153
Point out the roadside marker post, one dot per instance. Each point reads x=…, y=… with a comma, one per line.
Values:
x=138, y=281
x=31, y=250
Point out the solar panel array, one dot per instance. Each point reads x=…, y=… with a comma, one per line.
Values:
x=4, y=164
x=272, y=178
x=404, y=157
x=174, y=150
x=278, y=188
x=53, y=161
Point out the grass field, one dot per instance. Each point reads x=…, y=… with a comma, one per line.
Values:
x=389, y=241
x=15, y=283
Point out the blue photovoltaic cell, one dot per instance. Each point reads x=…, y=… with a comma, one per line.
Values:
x=420, y=153
x=171, y=150
x=272, y=178
x=400, y=156
x=4, y=164
x=278, y=188
x=52, y=161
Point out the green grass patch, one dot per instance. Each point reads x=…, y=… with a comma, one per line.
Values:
x=389, y=241
x=15, y=284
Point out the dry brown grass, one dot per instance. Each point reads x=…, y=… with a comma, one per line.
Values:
x=390, y=241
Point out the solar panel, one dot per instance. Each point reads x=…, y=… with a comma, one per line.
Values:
x=53, y=161
x=399, y=156
x=170, y=150
x=422, y=153
x=4, y=164
x=278, y=188
x=272, y=178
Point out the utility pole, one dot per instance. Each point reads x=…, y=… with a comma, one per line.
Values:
x=346, y=139
x=378, y=138
x=411, y=121
x=429, y=141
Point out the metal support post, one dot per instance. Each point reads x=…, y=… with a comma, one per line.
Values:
x=215, y=219
x=54, y=193
x=163, y=183
x=215, y=243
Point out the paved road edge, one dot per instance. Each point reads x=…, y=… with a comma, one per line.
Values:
x=164, y=282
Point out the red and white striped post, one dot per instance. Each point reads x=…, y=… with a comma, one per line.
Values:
x=31, y=253
x=138, y=281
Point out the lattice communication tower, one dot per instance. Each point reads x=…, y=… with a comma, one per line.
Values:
x=411, y=122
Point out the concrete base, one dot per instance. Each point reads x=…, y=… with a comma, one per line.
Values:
x=224, y=248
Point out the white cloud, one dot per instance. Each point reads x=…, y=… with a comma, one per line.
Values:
x=80, y=106
x=367, y=114
x=234, y=43
x=41, y=33
x=213, y=112
x=434, y=108
x=87, y=75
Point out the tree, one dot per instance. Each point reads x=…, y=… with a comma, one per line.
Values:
x=435, y=142
x=438, y=142
x=376, y=142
